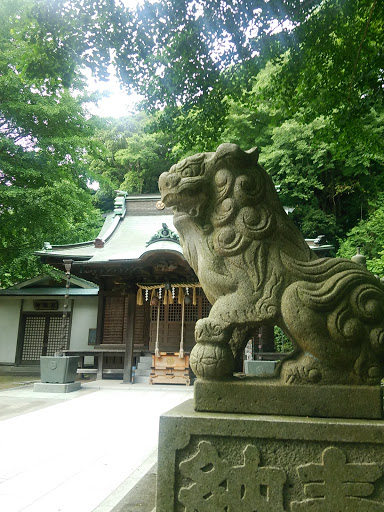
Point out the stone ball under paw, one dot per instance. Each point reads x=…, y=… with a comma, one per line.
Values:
x=210, y=361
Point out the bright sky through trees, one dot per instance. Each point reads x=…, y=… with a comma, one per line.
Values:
x=117, y=102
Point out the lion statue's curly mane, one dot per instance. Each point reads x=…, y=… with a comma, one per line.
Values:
x=256, y=269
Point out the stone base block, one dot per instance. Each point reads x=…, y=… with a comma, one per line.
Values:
x=210, y=462
x=44, y=387
x=266, y=396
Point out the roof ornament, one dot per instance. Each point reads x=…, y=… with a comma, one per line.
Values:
x=359, y=258
x=164, y=235
x=119, y=204
x=319, y=240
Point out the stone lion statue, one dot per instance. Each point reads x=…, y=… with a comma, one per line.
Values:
x=256, y=269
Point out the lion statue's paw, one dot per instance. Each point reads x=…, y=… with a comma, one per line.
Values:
x=304, y=370
x=208, y=331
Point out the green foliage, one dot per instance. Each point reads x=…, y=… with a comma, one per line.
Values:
x=60, y=213
x=44, y=142
x=335, y=62
x=134, y=156
x=189, y=58
x=63, y=35
x=282, y=343
x=369, y=235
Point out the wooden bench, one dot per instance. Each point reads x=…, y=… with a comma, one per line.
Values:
x=84, y=371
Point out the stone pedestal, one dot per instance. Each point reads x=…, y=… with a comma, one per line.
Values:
x=268, y=396
x=216, y=462
x=45, y=387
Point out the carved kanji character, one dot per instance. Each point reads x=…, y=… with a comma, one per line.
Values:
x=337, y=485
x=223, y=488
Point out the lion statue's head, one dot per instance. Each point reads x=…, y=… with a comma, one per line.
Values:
x=228, y=197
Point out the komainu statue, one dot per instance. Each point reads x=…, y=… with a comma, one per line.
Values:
x=256, y=269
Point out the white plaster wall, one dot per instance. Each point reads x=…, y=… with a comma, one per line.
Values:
x=9, y=327
x=84, y=317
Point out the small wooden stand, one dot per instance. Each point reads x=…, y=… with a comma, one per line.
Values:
x=169, y=368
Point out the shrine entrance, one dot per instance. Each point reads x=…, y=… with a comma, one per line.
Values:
x=172, y=323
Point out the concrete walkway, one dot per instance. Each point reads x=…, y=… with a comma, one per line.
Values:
x=81, y=451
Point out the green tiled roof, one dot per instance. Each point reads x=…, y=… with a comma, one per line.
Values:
x=125, y=238
x=122, y=239
x=50, y=291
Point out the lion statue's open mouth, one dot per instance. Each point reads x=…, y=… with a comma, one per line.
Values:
x=256, y=269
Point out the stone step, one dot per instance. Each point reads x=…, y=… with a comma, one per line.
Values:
x=145, y=359
x=141, y=379
x=144, y=366
x=143, y=372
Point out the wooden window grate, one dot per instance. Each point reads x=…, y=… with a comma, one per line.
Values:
x=56, y=341
x=154, y=313
x=190, y=313
x=205, y=307
x=174, y=313
x=33, y=338
x=43, y=336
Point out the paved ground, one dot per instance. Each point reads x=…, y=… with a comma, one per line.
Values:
x=142, y=498
x=93, y=450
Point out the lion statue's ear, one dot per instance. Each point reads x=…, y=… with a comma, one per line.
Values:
x=254, y=154
x=235, y=153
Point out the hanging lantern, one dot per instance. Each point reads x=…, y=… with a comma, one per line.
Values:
x=155, y=301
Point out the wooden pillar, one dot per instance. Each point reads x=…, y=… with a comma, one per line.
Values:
x=128, y=357
x=100, y=315
x=147, y=324
x=266, y=338
x=20, y=336
x=99, y=375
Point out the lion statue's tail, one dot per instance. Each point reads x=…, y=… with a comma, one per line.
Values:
x=345, y=304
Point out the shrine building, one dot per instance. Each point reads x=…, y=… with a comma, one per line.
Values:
x=146, y=305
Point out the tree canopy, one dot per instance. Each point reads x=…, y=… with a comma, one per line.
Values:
x=303, y=80
x=44, y=140
x=133, y=157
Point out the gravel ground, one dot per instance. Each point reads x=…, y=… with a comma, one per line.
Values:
x=16, y=381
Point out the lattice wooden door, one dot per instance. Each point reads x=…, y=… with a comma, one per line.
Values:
x=170, y=324
x=42, y=336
